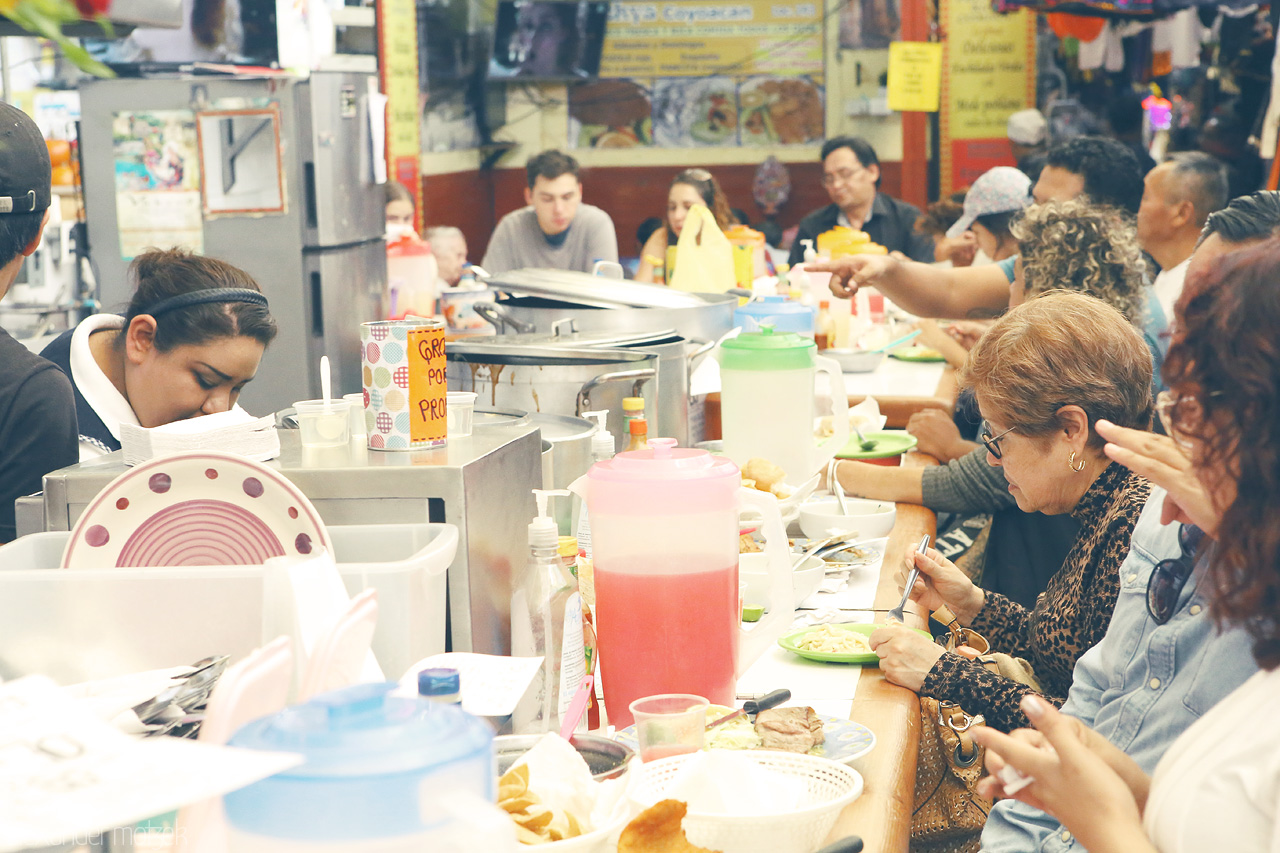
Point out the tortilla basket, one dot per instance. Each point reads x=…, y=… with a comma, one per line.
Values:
x=830, y=787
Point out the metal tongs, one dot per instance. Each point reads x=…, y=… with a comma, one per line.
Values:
x=897, y=612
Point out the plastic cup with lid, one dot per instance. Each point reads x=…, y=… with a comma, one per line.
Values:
x=324, y=423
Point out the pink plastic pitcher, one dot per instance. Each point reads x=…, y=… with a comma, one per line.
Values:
x=664, y=531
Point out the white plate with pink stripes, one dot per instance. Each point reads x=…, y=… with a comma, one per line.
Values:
x=195, y=509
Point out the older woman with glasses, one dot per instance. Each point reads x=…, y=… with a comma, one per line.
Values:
x=1043, y=375
x=1218, y=786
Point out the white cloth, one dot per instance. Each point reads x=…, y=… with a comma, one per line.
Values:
x=1218, y=786
x=1181, y=36
x=94, y=385
x=1107, y=50
x=1168, y=286
x=1271, y=122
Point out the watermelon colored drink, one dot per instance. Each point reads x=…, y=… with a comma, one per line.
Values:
x=667, y=629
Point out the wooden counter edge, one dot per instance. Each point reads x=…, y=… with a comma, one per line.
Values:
x=882, y=814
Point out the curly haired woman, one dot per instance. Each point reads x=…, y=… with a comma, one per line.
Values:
x=1218, y=786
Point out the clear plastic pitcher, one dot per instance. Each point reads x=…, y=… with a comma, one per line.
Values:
x=767, y=402
x=664, y=531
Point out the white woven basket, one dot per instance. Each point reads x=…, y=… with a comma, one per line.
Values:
x=829, y=788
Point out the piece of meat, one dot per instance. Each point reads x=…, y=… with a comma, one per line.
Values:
x=789, y=729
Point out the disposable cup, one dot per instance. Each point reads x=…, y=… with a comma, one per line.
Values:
x=669, y=724
x=460, y=411
x=324, y=425
x=356, y=418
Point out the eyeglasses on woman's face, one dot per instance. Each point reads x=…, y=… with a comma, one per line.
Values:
x=992, y=443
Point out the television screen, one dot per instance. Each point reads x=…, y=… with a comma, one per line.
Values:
x=548, y=39
x=445, y=42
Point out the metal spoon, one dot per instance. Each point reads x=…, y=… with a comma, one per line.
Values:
x=897, y=613
x=834, y=481
x=864, y=442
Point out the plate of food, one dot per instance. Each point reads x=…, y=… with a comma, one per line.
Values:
x=843, y=643
x=792, y=729
x=917, y=353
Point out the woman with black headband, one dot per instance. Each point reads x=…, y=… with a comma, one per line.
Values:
x=191, y=339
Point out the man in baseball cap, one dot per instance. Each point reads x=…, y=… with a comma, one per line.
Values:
x=1028, y=134
x=38, y=431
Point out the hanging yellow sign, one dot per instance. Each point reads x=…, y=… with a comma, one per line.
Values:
x=915, y=76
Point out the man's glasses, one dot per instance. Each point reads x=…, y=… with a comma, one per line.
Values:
x=1169, y=576
x=992, y=444
x=840, y=177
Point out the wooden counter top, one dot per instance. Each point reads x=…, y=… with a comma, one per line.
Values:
x=882, y=815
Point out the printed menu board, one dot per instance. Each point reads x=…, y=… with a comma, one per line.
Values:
x=699, y=38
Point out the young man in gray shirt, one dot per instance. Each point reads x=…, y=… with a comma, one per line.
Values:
x=556, y=231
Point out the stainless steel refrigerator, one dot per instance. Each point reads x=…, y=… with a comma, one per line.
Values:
x=312, y=235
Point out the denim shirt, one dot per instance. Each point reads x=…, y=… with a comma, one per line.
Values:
x=1143, y=685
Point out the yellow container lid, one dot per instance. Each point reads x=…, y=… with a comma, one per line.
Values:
x=568, y=546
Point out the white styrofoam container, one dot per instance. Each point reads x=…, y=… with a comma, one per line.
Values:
x=79, y=624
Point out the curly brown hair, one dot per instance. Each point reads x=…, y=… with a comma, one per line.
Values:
x=941, y=215
x=1076, y=245
x=1225, y=355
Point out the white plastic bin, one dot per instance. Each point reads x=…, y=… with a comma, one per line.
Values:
x=78, y=624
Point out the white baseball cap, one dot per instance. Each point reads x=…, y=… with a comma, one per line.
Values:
x=1028, y=127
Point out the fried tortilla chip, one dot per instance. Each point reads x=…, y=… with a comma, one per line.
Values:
x=657, y=830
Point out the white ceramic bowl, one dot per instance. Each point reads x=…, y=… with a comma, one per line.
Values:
x=855, y=360
x=820, y=517
x=754, y=570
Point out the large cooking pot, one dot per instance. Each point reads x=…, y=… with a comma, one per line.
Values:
x=533, y=300
x=669, y=413
x=552, y=380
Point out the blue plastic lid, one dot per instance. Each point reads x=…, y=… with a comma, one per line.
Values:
x=439, y=681
x=363, y=730
x=787, y=316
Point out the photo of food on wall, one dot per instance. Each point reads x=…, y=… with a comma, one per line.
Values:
x=690, y=113
x=780, y=111
x=610, y=114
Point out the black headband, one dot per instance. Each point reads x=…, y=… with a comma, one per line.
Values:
x=200, y=297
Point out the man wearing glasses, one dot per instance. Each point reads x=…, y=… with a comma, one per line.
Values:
x=851, y=176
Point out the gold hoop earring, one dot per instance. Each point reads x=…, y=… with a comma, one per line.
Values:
x=1072, y=463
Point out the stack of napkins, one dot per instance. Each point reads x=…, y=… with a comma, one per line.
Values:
x=233, y=431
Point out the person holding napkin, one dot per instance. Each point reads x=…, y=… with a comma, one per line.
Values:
x=190, y=341
x=1043, y=375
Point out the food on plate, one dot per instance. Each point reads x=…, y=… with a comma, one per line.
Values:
x=763, y=476
x=835, y=641
x=657, y=829
x=789, y=729
x=826, y=428
x=536, y=822
x=747, y=544
x=741, y=733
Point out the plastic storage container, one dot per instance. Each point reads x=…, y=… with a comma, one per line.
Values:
x=786, y=316
x=382, y=773
x=78, y=624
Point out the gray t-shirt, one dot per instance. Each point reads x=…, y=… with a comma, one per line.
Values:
x=518, y=243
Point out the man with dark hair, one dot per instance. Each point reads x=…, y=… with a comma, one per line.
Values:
x=38, y=431
x=1104, y=170
x=851, y=175
x=556, y=230
x=1163, y=662
x=1177, y=198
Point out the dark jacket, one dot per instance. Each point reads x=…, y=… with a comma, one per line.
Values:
x=892, y=225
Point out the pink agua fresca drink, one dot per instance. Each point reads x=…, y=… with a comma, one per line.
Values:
x=666, y=632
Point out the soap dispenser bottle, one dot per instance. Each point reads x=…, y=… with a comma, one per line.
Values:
x=546, y=621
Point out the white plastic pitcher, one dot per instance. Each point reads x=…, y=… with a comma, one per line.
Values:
x=767, y=401
x=664, y=533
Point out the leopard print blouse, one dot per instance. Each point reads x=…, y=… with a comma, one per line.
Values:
x=1069, y=617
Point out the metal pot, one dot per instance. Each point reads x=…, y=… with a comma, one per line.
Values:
x=533, y=300
x=669, y=414
x=551, y=380
x=566, y=456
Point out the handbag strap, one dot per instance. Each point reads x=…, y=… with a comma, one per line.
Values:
x=953, y=717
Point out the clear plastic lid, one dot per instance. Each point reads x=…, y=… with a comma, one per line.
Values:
x=364, y=730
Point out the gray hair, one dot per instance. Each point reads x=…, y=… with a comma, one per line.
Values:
x=442, y=233
x=1200, y=179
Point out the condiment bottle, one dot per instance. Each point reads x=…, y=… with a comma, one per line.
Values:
x=639, y=429
x=632, y=408
x=824, y=327
x=546, y=622
x=441, y=684
x=602, y=448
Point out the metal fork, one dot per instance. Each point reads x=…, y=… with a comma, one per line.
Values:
x=897, y=612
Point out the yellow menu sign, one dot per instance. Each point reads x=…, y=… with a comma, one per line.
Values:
x=698, y=38
x=398, y=66
x=915, y=76
x=990, y=63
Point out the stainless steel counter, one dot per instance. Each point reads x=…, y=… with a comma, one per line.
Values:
x=481, y=484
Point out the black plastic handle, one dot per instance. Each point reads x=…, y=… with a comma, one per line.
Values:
x=769, y=700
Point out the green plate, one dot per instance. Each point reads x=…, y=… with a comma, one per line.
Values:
x=789, y=642
x=889, y=442
x=917, y=354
